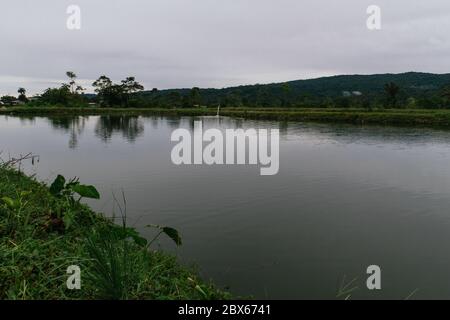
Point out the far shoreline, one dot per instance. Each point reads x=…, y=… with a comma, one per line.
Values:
x=393, y=117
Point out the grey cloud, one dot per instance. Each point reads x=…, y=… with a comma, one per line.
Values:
x=217, y=43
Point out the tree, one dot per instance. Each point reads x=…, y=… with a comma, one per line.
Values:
x=392, y=91
x=175, y=99
x=196, y=98
x=231, y=100
x=111, y=94
x=104, y=89
x=130, y=86
x=79, y=89
x=60, y=95
x=102, y=83
x=22, y=95
x=445, y=94
x=74, y=88
x=72, y=76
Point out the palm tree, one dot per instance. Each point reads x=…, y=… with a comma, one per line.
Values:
x=22, y=95
x=392, y=91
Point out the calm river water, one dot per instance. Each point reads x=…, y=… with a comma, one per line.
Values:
x=345, y=197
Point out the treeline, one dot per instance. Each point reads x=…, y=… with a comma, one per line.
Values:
x=71, y=94
x=408, y=90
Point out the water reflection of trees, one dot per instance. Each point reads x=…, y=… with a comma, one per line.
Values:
x=27, y=119
x=74, y=126
x=131, y=127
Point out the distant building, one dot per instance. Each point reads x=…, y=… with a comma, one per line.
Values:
x=351, y=93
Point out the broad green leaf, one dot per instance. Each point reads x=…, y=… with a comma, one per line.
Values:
x=74, y=181
x=57, y=185
x=173, y=234
x=86, y=191
x=170, y=232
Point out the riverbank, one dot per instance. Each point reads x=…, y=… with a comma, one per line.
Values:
x=41, y=235
x=401, y=117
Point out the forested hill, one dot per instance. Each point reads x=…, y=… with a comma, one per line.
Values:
x=411, y=83
x=414, y=87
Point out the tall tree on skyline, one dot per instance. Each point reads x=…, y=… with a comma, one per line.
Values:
x=72, y=76
x=22, y=95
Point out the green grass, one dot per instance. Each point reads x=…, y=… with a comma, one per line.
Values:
x=36, y=247
x=403, y=117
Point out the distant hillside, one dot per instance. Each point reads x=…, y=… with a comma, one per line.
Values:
x=311, y=92
x=411, y=83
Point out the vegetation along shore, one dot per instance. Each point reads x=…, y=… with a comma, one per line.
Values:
x=411, y=99
x=400, y=117
x=46, y=229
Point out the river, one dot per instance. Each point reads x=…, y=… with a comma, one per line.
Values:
x=346, y=197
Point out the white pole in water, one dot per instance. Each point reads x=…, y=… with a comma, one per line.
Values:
x=218, y=110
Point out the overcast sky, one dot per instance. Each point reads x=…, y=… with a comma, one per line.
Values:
x=217, y=43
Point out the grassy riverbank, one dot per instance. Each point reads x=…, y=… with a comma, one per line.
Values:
x=41, y=235
x=404, y=117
